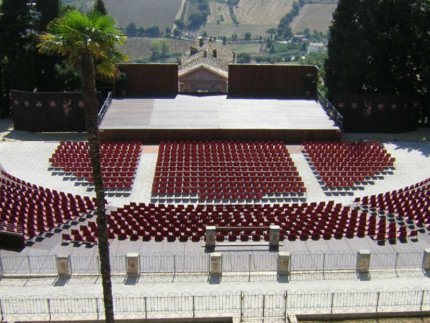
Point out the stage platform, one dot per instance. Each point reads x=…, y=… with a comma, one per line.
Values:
x=216, y=117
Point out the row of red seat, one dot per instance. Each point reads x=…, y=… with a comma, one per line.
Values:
x=241, y=170
x=223, y=145
x=407, y=204
x=346, y=164
x=119, y=162
x=304, y=222
x=236, y=180
x=34, y=210
x=231, y=152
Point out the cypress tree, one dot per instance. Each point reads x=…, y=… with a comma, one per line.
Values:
x=100, y=7
x=378, y=47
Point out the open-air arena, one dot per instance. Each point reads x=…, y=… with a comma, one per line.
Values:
x=345, y=240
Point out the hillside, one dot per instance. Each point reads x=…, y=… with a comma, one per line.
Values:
x=137, y=47
x=144, y=13
x=315, y=17
x=254, y=16
x=262, y=12
x=219, y=14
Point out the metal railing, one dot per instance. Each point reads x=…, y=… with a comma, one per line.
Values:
x=330, y=109
x=104, y=108
x=200, y=263
x=267, y=304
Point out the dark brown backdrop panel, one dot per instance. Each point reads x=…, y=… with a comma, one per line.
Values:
x=285, y=81
x=378, y=113
x=144, y=80
x=48, y=111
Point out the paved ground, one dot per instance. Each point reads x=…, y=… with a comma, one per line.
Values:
x=25, y=155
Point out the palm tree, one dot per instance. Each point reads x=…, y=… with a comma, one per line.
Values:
x=88, y=41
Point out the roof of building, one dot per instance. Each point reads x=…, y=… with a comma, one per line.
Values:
x=204, y=55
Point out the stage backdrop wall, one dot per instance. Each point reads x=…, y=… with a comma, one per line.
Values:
x=48, y=111
x=277, y=81
x=144, y=80
x=378, y=113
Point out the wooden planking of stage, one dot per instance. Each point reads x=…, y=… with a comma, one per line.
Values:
x=216, y=117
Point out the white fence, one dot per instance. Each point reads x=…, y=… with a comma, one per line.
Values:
x=243, y=305
x=199, y=263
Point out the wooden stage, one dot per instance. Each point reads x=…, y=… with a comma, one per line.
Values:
x=216, y=117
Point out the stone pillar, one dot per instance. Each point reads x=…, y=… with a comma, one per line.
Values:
x=363, y=261
x=132, y=263
x=210, y=236
x=274, y=235
x=426, y=260
x=216, y=263
x=284, y=263
x=64, y=267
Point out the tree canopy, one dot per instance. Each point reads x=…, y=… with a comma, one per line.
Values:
x=20, y=66
x=379, y=47
x=92, y=33
x=100, y=7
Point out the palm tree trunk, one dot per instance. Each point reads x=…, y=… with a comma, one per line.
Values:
x=91, y=111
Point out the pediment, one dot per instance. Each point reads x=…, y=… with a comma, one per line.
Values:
x=203, y=73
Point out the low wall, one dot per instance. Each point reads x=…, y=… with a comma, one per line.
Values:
x=48, y=111
x=378, y=113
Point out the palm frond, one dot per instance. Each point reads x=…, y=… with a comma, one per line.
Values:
x=76, y=33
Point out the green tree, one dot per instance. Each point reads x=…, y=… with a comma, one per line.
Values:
x=89, y=42
x=196, y=20
x=159, y=49
x=272, y=49
x=100, y=7
x=165, y=47
x=247, y=36
x=378, y=47
x=131, y=29
x=346, y=65
x=243, y=58
x=179, y=24
x=284, y=29
x=234, y=37
x=271, y=32
x=140, y=32
x=152, y=31
x=18, y=37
